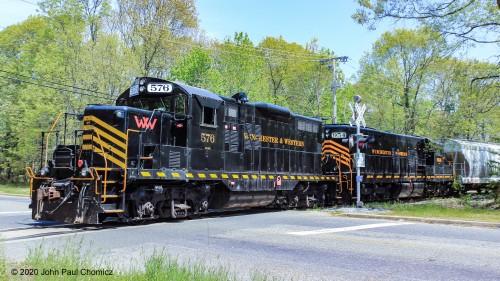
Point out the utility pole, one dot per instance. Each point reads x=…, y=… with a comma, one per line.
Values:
x=334, y=83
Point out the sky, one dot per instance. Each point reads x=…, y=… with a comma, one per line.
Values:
x=295, y=20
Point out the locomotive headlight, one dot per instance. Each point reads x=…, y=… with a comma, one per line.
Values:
x=141, y=89
x=119, y=114
x=44, y=171
x=142, y=81
x=84, y=172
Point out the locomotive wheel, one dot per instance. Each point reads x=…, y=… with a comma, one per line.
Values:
x=137, y=221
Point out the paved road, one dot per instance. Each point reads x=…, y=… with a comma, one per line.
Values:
x=303, y=245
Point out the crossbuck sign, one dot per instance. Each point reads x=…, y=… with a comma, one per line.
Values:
x=357, y=114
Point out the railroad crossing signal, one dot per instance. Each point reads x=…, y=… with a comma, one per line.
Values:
x=357, y=114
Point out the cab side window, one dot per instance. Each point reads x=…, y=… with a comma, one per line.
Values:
x=180, y=104
x=208, y=116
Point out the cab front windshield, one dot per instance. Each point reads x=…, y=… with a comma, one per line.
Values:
x=174, y=104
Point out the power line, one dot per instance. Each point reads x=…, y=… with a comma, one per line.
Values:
x=29, y=2
x=57, y=83
x=290, y=55
x=272, y=52
x=55, y=88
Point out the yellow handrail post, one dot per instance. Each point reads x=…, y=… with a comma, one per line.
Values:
x=126, y=160
x=105, y=170
x=48, y=135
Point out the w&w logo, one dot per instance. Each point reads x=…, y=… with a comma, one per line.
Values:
x=144, y=123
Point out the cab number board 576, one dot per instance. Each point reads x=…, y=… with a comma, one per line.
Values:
x=160, y=88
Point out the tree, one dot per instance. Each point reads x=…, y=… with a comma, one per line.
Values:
x=193, y=67
x=237, y=66
x=399, y=62
x=150, y=27
x=467, y=20
x=461, y=109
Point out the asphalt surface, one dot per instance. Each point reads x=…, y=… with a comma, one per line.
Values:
x=298, y=245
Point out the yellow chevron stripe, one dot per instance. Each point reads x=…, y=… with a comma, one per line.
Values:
x=111, y=148
x=161, y=174
x=145, y=174
x=254, y=177
x=87, y=147
x=336, y=144
x=104, y=125
x=330, y=149
x=213, y=176
x=189, y=175
x=105, y=155
x=110, y=158
x=105, y=135
x=342, y=159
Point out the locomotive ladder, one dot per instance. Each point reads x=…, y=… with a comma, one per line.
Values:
x=101, y=178
x=344, y=180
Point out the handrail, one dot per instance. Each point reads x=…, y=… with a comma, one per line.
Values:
x=48, y=135
x=350, y=170
x=32, y=176
x=105, y=182
x=126, y=160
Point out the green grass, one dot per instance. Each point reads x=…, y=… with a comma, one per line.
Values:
x=15, y=189
x=458, y=209
x=75, y=256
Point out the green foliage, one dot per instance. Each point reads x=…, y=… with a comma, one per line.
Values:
x=193, y=68
x=467, y=20
x=494, y=189
x=494, y=184
x=393, y=76
x=81, y=52
x=457, y=184
x=76, y=255
x=3, y=263
x=159, y=266
x=14, y=189
x=412, y=86
x=465, y=208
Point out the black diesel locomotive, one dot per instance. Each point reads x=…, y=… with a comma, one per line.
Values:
x=395, y=166
x=168, y=150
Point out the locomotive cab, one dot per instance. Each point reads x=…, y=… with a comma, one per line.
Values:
x=162, y=99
